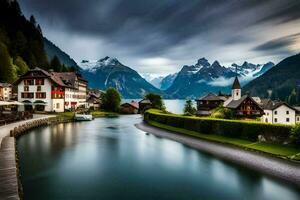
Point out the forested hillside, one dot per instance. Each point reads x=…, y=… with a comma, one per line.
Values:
x=21, y=44
x=281, y=82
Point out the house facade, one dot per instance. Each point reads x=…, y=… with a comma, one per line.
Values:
x=209, y=102
x=243, y=106
x=5, y=91
x=75, y=90
x=280, y=113
x=40, y=90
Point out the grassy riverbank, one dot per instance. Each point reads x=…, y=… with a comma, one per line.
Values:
x=278, y=150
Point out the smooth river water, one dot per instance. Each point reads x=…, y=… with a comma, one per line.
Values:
x=109, y=158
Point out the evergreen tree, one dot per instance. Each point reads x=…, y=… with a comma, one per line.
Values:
x=55, y=64
x=111, y=100
x=7, y=70
x=32, y=20
x=22, y=67
x=189, y=108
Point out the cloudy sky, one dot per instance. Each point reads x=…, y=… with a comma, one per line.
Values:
x=159, y=36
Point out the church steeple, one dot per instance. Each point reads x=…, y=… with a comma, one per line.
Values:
x=236, y=91
x=236, y=84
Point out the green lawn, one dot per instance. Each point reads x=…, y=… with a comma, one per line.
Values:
x=97, y=114
x=274, y=149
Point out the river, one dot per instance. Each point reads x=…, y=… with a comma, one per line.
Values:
x=108, y=158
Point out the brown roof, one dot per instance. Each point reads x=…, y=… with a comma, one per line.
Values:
x=211, y=97
x=132, y=103
x=5, y=85
x=275, y=104
x=67, y=78
x=236, y=84
x=236, y=103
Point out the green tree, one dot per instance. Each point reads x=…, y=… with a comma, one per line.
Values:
x=111, y=100
x=295, y=134
x=22, y=67
x=189, y=108
x=222, y=113
x=7, y=69
x=155, y=100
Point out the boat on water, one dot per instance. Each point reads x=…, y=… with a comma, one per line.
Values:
x=83, y=117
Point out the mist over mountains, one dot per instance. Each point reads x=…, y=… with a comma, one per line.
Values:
x=191, y=81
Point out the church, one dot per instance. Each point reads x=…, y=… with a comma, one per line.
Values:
x=243, y=106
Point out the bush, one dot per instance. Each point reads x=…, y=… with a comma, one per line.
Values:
x=222, y=113
x=231, y=128
x=295, y=134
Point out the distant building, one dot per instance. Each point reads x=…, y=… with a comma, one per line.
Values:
x=209, y=102
x=5, y=91
x=94, y=99
x=243, y=106
x=144, y=104
x=46, y=91
x=280, y=113
x=130, y=108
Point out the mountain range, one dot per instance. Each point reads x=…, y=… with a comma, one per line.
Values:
x=109, y=72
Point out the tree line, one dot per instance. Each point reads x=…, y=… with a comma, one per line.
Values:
x=21, y=44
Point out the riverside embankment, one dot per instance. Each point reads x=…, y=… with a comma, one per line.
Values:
x=275, y=167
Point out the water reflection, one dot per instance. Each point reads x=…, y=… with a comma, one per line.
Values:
x=91, y=161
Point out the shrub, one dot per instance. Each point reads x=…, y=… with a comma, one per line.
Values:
x=222, y=113
x=295, y=134
x=248, y=130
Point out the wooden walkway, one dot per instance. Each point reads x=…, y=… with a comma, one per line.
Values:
x=8, y=170
x=8, y=166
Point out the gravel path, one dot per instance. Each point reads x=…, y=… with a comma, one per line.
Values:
x=275, y=167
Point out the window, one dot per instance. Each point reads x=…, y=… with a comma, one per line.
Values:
x=287, y=119
x=275, y=112
x=29, y=82
x=26, y=88
x=267, y=114
x=57, y=105
x=287, y=112
x=266, y=120
x=237, y=94
x=27, y=95
x=39, y=81
x=298, y=119
x=40, y=95
x=275, y=119
x=39, y=88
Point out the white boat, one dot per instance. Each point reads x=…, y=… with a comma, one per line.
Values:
x=83, y=117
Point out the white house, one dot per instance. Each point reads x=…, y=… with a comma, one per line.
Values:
x=280, y=113
x=75, y=90
x=46, y=91
x=5, y=91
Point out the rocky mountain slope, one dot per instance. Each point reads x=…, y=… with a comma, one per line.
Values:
x=109, y=72
x=196, y=80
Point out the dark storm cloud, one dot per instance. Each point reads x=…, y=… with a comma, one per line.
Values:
x=160, y=28
x=281, y=44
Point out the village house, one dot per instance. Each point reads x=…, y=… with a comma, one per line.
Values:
x=75, y=90
x=130, y=108
x=243, y=106
x=144, y=104
x=5, y=91
x=280, y=113
x=209, y=102
x=94, y=99
x=46, y=91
